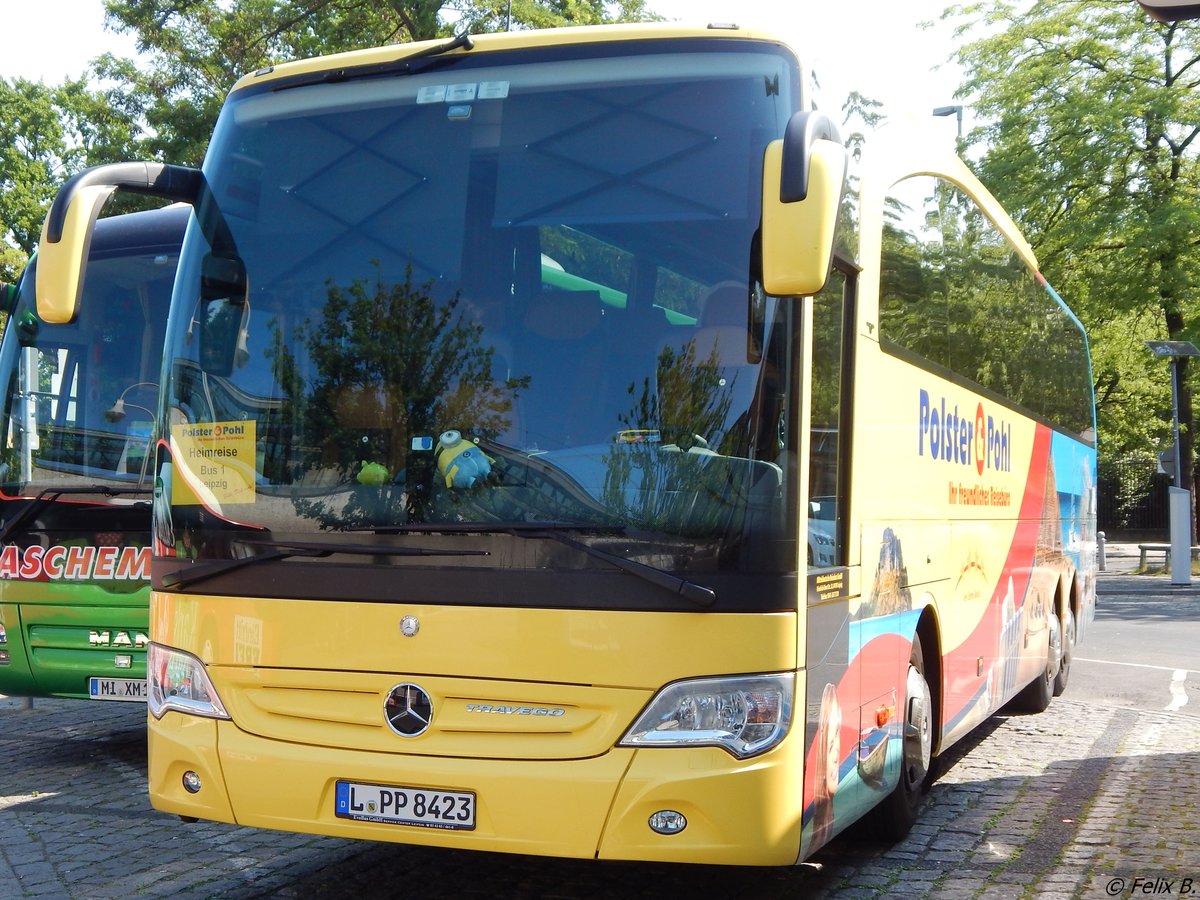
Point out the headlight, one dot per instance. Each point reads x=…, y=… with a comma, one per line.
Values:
x=744, y=715
x=179, y=681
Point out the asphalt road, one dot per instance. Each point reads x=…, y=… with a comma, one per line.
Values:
x=1144, y=649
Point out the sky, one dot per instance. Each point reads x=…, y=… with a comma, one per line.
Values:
x=873, y=46
x=51, y=40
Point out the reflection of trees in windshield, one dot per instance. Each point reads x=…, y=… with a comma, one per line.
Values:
x=955, y=293
x=393, y=369
x=651, y=479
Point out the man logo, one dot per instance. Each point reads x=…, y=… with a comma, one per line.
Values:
x=408, y=710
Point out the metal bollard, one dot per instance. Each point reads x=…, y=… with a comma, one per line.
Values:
x=1100, y=550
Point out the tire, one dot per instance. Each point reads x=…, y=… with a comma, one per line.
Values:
x=894, y=817
x=1068, y=650
x=1036, y=695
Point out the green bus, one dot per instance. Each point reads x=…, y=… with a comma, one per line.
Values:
x=76, y=468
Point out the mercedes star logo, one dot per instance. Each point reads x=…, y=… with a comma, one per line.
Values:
x=408, y=710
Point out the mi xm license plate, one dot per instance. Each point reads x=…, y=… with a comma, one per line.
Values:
x=398, y=805
x=132, y=690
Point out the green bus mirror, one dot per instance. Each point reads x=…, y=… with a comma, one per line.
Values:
x=8, y=298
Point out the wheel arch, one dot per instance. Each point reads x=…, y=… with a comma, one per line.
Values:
x=928, y=632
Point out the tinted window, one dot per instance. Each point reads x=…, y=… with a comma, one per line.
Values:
x=955, y=295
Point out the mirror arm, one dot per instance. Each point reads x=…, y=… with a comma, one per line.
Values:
x=176, y=183
x=803, y=130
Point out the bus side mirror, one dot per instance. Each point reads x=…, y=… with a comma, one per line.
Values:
x=60, y=268
x=1171, y=10
x=803, y=177
x=223, y=315
x=67, y=232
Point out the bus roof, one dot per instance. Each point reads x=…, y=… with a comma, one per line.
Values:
x=511, y=40
x=152, y=228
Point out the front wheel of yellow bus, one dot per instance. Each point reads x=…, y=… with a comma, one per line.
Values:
x=895, y=815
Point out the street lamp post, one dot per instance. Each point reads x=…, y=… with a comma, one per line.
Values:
x=1181, y=499
x=955, y=110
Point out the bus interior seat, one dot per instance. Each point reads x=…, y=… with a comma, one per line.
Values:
x=721, y=339
x=561, y=334
x=633, y=336
x=724, y=326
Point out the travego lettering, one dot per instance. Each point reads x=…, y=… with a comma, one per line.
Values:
x=75, y=563
x=947, y=435
x=515, y=710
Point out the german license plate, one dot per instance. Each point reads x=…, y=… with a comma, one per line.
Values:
x=399, y=805
x=132, y=690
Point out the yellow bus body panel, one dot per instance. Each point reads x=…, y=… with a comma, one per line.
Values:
x=590, y=647
x=739, y=812
x=529, y=706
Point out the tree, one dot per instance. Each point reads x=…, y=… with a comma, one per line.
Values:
x=48, y=133
x=388, y=353
x=197, y=49
x=1094, y=113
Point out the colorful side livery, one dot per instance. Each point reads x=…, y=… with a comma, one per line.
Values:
x=971, y=494
x=76, y=469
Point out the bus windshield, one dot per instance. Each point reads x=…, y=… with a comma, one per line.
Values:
x=488, y=295
x=81, y=397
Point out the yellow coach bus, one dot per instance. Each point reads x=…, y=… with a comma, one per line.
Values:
x=539, y=472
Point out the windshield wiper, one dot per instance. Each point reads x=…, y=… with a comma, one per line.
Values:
x=689, y=590
x=558, y=531
x=50, y=495
x=498, y=527
x=459, y=40
x=286, y=549
x=399, y=66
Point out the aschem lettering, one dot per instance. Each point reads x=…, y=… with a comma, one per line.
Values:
x=947, y=435
x=75, y=563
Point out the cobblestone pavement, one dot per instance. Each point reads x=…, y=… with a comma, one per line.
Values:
x=1081, y=801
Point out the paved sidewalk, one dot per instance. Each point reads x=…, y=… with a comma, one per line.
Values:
x=1078, y=802
x=1121, y=558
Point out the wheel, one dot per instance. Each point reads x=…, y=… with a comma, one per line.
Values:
x=1036, y=696
x=1068, y=650
x=894, y=817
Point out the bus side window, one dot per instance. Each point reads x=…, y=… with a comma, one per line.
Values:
x=825, y=507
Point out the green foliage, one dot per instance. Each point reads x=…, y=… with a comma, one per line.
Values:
x=32, y=145
x=48, y=133
x=1093, y=113
x=954, y=292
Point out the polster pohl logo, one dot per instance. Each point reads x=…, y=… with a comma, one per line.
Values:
x=947, y=435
